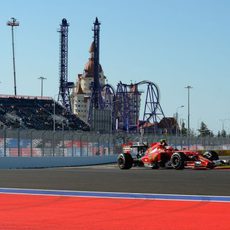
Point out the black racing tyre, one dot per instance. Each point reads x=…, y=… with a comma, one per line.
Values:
x=177, y=160
x=164, y=158
x=155, y=165
x=125, y=161
x=211, y=155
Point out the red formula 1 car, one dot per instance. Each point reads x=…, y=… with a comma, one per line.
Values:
x=160, y=155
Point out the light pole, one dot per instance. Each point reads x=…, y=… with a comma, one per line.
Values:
x=13, y=23
x=188, y=88
x=188, y=132
x=42, y=79
x=182, y=106
x=54, y=113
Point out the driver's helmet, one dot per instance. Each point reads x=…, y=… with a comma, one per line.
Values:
x=163, y=142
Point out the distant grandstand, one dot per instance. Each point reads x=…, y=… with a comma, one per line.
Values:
x=39, y=113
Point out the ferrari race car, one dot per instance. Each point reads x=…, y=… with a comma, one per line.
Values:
x=160, y=155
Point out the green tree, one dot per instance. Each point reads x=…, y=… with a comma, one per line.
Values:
x=204, y=131
x=183, y=129
x=218, y=134
x=223, y=133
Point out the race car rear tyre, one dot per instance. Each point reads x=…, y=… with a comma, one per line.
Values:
x=177, y=160
x=155, y=165
x=125, y=161
x=211, y=155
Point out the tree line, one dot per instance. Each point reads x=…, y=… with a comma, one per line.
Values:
x=203, y=131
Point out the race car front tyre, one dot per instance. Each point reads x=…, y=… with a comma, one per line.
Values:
x=177, y=160
x=211, y=155
x=125, y=161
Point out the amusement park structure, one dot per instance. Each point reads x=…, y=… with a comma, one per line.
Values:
x=124, y=105
x=128, y=105
x=98, y=103
x=91, y=103
x=64, y=84
x=96, y=98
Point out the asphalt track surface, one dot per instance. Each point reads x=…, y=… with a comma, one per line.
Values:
x=108, y=178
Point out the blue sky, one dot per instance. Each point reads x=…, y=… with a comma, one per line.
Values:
x=173, y=43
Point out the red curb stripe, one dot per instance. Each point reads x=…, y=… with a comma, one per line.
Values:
x=60, y=212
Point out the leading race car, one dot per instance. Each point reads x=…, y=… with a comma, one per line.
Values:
x=160, y=155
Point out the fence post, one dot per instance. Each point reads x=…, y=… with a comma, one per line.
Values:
x=98, y=143
x=31, y=143
x=81, y=145
x=43, y=145
x=87, y=144
x=53, y=143
x=18, y=142
x=63, y=143
x=4, y=142
x=72, y=136
x=109, y=144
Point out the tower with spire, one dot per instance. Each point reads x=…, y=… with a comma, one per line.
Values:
x=92, y=98
x=82, y=92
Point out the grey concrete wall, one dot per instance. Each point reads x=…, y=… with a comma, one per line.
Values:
x=43, y=162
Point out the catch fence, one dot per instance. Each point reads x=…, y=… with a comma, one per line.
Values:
x=33, y=143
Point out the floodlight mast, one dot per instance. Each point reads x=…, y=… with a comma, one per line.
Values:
x=188, y=88
x=13, y=23
x=42, y=79
x=189, y=131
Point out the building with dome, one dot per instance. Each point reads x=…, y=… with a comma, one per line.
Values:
x=81, y=93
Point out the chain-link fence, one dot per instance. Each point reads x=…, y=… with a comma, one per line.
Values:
x=32, y=143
